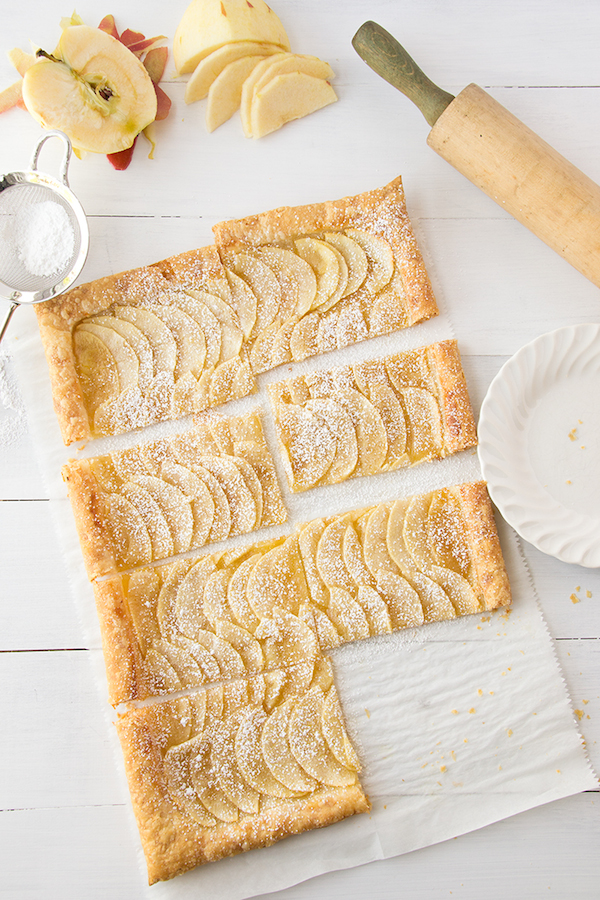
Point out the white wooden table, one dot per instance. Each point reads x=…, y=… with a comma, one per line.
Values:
x=64, y=831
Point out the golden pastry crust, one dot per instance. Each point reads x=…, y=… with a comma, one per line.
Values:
x=166, y=497
x=370, y=417
x=484, y=543
x=174, y=842
x=381, y=212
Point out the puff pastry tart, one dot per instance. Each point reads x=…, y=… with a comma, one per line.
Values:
x=373, y=416
x=273, y=605
x=164, y=498
x=238, y=766
x=327, y=275
x=190, y=332
x=133, y=349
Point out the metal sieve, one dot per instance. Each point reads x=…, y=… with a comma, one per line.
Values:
x=20, y=193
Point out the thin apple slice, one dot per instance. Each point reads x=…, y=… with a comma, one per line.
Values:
x=248, y=92
x=209, y=68
x=207, y=25
x=242, y=506
x=175, y=508
x=330, y=556
x=335, y=733
x=424, y=438
x=139, y=344
x=380, y=257
x=225, y=94
x=402, y=600
x=340, y=424
x=264, y=285
x=228, y=774
x=250, y=758
x=296, y=277
x=242, y=641
x=151, y=513
x=356, y=260
x=142, y=594
x=347, y=615
x=93, y=88
x=309, y=746
x=308, y=444
x=371, y=435
x=376, y=610
x=188, y=608
x=243, y=301
x=325, y=262
x=127, y=362
x=97, y=370
x=177, y=773
x=286, y=63
x=276, y=577
x=188, y=336
x=288, y=97
x=237, y=598
x=221, y=523
x=277, y=754
x=127, y=532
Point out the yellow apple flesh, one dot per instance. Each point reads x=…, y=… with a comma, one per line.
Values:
x=207, y=25
x=92, y=88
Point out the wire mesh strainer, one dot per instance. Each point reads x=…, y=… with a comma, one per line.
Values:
x=39, y=215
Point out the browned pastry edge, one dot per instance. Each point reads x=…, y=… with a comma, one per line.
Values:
x=484, y=543
x=381, y=211
x=459, y=425
x=122, y=655
x=174, y=843
x=96, y=544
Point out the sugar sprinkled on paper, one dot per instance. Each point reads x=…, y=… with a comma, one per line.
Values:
x=44, y=238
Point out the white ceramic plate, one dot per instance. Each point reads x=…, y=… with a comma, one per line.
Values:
x=539, y=443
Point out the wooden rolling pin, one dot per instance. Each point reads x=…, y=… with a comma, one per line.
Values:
x=499, y=154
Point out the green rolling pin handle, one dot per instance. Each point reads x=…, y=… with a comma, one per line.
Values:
x=389, y=59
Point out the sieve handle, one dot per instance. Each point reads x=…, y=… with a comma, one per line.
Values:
x=65, y=160
x=7, y=319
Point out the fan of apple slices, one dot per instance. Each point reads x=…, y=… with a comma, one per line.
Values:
x=240, y=58
x=98, y=86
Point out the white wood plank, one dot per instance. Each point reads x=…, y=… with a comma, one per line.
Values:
x=90, y=851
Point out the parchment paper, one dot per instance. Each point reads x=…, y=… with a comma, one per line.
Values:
x=457, y=724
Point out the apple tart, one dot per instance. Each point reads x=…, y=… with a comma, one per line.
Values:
x=134, y=349
x=237, y=766
x=191, y=332
x=276, y=604
x=373, y=416
x=163, y=498
x=327, y=275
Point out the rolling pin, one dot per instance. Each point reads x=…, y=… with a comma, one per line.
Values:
x=499, y=154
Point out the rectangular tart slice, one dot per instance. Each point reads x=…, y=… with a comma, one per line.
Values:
x=133, y=349
x=160, y=499
x=272, y=605
x=326, y=275
x=238, y=766
x=373, y=416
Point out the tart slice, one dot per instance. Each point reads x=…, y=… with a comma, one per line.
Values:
x=374, y=416
x=161, y=499
x=237, y=766
x=361, y=255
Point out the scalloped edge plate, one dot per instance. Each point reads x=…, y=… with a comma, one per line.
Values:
x=539, y=443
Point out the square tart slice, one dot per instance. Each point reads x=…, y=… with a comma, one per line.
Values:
x=327, y=275
x=374, y=416
x=133, y=349
x=238, y=766
x=157, y=500
x=420, y=559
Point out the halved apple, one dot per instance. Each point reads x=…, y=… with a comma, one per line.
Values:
x=92, y=88
x=209, y=68
x=207, y=25
x=287, y=97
